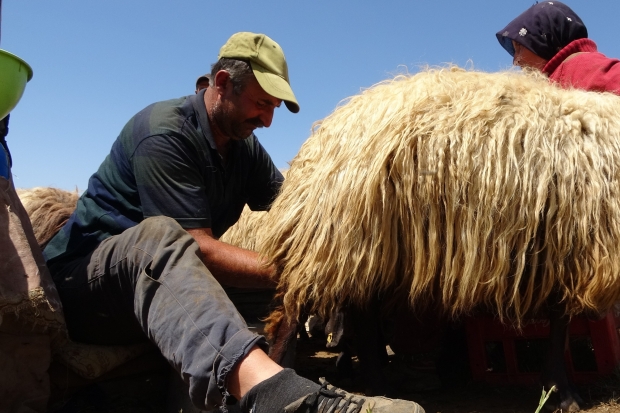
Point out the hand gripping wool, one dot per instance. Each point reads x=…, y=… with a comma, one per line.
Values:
x=471, y=188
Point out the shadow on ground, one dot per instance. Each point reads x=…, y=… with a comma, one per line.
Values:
x=145, y=388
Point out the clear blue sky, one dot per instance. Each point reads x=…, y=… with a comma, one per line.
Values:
x=96, y=63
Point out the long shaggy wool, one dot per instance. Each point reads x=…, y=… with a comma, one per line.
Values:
x=246, y=230
x=48, y=210
x=471, y=188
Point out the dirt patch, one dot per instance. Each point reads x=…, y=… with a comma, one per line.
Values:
x=411, y=378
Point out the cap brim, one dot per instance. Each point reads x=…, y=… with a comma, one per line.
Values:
x=275, y=86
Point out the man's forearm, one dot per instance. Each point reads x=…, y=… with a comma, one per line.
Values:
x=233, y=266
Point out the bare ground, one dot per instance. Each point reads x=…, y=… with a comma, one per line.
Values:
x=417, y=381
x=147, y=389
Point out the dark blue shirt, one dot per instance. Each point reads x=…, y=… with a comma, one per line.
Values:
x=165, y=162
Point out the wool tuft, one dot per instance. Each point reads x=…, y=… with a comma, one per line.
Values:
x=48, y=209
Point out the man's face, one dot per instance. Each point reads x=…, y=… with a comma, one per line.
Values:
x=238, y=115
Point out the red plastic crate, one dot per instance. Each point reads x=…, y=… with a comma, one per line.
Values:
x=594, y=349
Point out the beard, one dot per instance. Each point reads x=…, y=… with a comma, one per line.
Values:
x=245, y=129
x=232, y=123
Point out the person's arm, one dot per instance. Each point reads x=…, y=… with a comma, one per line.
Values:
x=169, y=183
x=230, y=265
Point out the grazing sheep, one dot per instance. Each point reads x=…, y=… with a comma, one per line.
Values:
x=463, y=188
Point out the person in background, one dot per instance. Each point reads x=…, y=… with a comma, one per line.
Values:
x=552, y=38
x=203, y=82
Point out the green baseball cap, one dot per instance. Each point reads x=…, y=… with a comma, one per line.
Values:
x=268, y=64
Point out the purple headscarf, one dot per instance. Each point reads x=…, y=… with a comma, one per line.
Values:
x=545, y=28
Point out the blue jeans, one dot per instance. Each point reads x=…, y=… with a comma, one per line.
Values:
x=150, y=281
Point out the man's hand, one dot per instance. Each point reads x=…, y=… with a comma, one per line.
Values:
x=233, y=266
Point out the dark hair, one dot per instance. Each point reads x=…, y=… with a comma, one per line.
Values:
x=240, y=71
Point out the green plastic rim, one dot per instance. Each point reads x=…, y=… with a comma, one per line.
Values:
x=14, y=74
x=20, y=60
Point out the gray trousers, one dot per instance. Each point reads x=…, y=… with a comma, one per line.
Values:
x=150, y=281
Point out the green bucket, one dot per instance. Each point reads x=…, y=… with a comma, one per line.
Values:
x=14, y=73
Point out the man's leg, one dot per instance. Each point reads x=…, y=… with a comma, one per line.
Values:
x=150, y=281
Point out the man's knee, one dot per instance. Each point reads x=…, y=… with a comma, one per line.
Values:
x=153, y=234
x=162, y=227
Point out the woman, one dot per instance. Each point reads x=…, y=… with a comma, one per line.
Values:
x=550, y=37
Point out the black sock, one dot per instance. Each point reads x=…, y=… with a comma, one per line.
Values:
x=277, y=392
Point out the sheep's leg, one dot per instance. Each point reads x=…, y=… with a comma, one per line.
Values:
x=370, y=348
x=337, y=338
x=451, y=360
x=554, y=372
x=344, y=362
x=283, y=348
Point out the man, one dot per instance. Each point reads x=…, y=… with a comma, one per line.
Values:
x=132, y=260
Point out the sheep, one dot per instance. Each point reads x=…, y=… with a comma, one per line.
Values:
x=457, y=187
x=48, y=209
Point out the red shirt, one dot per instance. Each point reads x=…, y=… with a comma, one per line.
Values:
x=580, y=65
